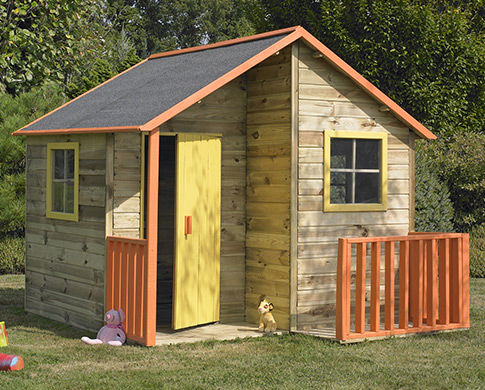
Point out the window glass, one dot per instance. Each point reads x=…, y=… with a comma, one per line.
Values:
x=58, y=196
x=367, y=154
x=341, y=152
x=367, y=187
x=69, y=205
x=70, y=164
x=340, y=187
x=58, y=164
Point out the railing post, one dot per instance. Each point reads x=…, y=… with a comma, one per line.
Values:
x=466, y=280
x=343, y=290
x=403, y=284
x=456, y=282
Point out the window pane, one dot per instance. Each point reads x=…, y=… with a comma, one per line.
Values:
x=70, y=164
x=58, y=197
x=58, y=164
x=69, y=197
x=367, y=188
x=340, y=187
x=341, y=153
x=368, y=154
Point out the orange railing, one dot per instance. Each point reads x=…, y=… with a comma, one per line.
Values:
x=126, y=284
x=433, y=284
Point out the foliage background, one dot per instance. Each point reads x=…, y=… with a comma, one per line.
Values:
x=426, y=55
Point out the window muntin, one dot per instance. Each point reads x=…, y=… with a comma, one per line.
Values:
x=355, y=169
x=62, y=180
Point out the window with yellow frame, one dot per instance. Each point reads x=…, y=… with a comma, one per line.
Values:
x=355, y=171
x=62, y=195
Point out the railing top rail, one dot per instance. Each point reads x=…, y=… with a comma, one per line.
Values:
x=140, y=241
x=413, y=237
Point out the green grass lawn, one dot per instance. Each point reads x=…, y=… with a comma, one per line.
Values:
x=55, y=358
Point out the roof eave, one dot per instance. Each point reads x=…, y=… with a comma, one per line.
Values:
x=83, y=130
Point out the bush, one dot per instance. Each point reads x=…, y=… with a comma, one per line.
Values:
x=12, y=255
x=477, y=252
x=434, y=210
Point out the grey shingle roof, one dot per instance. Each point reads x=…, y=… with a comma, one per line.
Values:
x=151, y=88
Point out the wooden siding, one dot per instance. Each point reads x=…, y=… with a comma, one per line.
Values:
x=268, y=187
x=65, y=260
x=329, y=100
x=224, y=112
x=127, y=184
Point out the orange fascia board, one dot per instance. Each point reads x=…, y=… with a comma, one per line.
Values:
x=370, y=88
x=31, y=132
x=81, y=130
x=218, y=83
x=224, y=43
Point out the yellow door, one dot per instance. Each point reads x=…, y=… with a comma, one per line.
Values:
x=197, y=225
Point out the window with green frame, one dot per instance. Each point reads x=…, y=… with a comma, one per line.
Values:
x=355, y=171
x=62, y=181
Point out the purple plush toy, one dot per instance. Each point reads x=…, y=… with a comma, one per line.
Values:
x=113, y=333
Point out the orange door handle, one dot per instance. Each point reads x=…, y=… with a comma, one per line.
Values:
x=188, y=224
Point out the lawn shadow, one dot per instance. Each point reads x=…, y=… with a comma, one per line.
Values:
x=13, y=313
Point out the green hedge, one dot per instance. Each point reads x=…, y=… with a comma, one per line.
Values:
x=477, y=252
x=12, y=255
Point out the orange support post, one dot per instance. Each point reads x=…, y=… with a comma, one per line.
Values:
x=466, y=280
x=152, y=237
x=343, y=290
x=403, y=284
x=389, y=284
x=360, y=289
x=375, y=289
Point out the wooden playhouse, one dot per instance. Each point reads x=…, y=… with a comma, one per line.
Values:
x=198, y=180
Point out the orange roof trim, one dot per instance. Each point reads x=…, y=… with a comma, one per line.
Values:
x=292, y=35
x=80, y=130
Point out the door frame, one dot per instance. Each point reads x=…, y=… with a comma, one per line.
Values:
x=152, y=188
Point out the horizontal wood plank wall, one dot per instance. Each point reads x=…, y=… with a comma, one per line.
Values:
x=268, y=187
x=65, y=260
x=330, y=101
x=127, y=184
x=224, y=112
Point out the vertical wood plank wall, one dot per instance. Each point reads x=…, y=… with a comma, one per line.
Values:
x=224, y=112
x=268, y=187
x=65, y=260
x=330, y=101
x=126, y=194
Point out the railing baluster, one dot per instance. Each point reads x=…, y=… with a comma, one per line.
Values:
x=343, y=290
x=425, y=280
x=444, y=281
x=432, y=285
x=109, y=274
x=454, y=281
x=418, y=315
x=139, y=291
x=117, y=275
x=375, y=291
x=131, y=288
x=389, y=286
x=403, y=284
x=360, y=289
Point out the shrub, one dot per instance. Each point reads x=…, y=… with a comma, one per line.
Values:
x=12, y=255
x=434, y=210
x=477, y=252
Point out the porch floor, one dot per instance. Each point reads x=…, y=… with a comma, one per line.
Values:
x=216, y=331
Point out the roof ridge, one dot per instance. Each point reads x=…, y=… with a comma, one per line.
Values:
x=228, y=42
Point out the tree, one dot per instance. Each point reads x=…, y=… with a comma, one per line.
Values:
x=16, y=112
x=46, y=40
x=159, y=25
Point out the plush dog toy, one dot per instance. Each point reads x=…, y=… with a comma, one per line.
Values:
x=267, y=324
x=113, y=333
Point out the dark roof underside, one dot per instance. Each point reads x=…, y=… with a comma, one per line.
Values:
x=151, y=88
